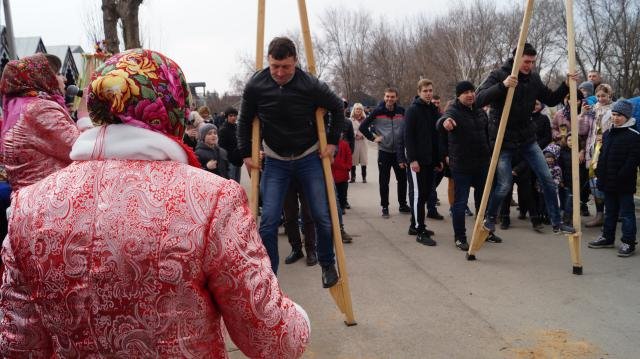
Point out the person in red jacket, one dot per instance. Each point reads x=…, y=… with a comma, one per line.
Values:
x=340, y=170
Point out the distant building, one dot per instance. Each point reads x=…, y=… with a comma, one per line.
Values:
x=198, y=98
x=27, y=46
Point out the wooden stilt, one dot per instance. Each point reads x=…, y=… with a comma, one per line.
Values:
x=340, y=292
x=255, y=126
x=479, y=233
x=574, y=239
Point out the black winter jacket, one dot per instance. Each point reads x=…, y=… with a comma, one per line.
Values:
x=619, y=158
x=520, y=129
x=468, y=142
x=287, y=113
x=206, y=154
x=420, y=134
x=229, y=142
x=385, y=123
x=543, y=129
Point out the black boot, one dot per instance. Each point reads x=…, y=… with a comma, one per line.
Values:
x=346, y=238
x=329, y=276
x=353, y=174
x=364, y=174
x=294, y=256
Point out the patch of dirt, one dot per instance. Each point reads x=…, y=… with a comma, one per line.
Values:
x=556, y=344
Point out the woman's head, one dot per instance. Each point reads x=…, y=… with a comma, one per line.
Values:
x=31, y=76
x=141, y=88
x=357, y=111
x=604, y=93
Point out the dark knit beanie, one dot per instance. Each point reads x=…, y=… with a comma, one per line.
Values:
x=464, y=86
x=623, y=107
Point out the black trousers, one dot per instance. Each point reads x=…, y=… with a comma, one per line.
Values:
x=294, y=203
x=420, y=188
x=342, y=189
x=387, y=161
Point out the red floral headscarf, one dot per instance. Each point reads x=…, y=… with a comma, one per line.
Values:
x=30, y=76
x=142, y=88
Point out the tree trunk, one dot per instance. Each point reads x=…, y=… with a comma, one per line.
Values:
x=128, y=11
x=110, y=22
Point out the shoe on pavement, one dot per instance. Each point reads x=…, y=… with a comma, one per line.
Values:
x=626, y=250
x=312, y=259
x=434, y=215
x=414, y=232
x=563, y=228
x=385, y=212
x=364, y=180
x=293, y=256
x=492, y=238
x=347, y=205
x=489, y=224
x=462, y=244
x=346, y=238
x=538, y=227
x=404, y=209
x=468, y=212
x=584, y=210
x=505, y=223
x=601, y=242
x=353, y=180
x=423, y=238
x=329, y=276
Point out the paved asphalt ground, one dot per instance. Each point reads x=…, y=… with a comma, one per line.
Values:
x=518, y=300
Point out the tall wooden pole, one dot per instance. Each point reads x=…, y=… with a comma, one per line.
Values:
x=340, y=292
x=11, y=40
x=479, y=233
x=574, y=239
x=255, y=129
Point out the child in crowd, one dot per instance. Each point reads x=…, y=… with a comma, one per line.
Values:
x=551, y=154
x=566, y=190
x=617, y=173
x=340, y=169
x=212, y=157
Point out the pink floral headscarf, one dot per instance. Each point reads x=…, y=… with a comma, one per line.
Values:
x=141, y=88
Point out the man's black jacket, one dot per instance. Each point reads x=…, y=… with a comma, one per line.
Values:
x=287, y=113
x=468, y=143
x=520, y=129
x=420, y=135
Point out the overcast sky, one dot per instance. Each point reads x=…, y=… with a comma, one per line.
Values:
x=205, y=37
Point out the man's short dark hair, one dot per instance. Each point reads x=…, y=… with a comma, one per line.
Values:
x=391, y=89
x=282, y=47
x=529, y=50
x=230, y=111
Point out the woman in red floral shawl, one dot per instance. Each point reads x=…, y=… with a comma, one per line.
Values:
x=133, y=251
x=37, y=131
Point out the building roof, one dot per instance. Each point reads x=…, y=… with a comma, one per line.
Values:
x=27, y=46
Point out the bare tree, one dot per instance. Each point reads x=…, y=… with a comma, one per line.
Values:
x=125, y=13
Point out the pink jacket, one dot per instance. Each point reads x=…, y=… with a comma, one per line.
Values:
x=39, y=143
x=134, y=258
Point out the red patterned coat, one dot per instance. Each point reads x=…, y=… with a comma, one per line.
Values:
x=132, y=259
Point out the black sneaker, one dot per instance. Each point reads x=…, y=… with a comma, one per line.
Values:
x=538, y=227
x=435, y=215
x=492, y=238
x=347, y=205
x=385, y=212
x=489, y=224
x=468, y=212
x=293, y=256
x=563, y=228
x=462, y=244
x=346, y=238
x=505, y=223
x=404, y=209
x=329, y=276
x=413, y=231
x=626, y=250
x=423, y=238
x=601, y=242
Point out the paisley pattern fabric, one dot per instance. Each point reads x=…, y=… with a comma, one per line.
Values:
x=140, y=259
x=29, y=76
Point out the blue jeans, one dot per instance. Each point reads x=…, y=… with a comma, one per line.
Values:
x=275, y=181
x=622, y=204
x=462, y=183
x=534, y=157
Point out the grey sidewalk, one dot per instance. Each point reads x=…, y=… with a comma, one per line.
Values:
x=518, y=300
